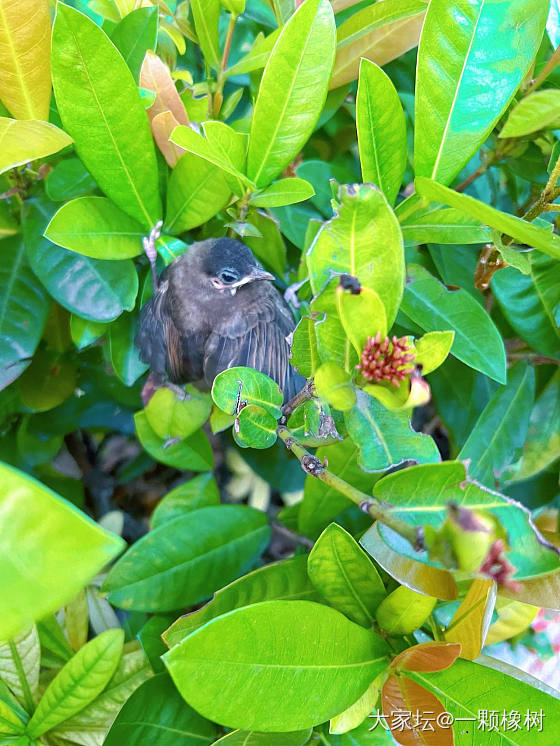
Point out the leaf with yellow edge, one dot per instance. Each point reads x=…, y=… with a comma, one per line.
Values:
x=358, y=712
x=362, y=315
x=411, y=393
x=513, y=618
x=470, y=622
x=432, y=350
x=25, y=58
x=24, y=140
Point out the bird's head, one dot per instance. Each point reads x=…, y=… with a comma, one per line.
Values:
x=230, y=265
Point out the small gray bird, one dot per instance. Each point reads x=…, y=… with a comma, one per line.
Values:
x=215, y=308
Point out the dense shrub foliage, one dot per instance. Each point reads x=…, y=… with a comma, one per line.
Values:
x=227, y=566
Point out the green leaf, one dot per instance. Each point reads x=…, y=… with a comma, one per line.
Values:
x=542, y=443
x=269, y=248
x=283, y=192
x=156, y=713
x=286, y=580
x=305, y=358
x=344, y=244
x=79, y=682
x=292, y=92
x=8, y=224
x=477, y=342
x=99, y=105
x=194, y=453
x=255, y=427
x=466, y=688
x=404, y=611
x=362, y=316
x=206, y=15
x=461, y=67
x=378, y=32
x=525, y=232
x=197, y=492
x=243, y=386
x=443, y=225
x=197, y=191
x=69, y=179
x=124, y=353
x=96, y=227
x=535, y=112
x=12, y=716
x=252, y=738
x=52, y=638
x=299, y=664
x=345, y=576
x=19, y=667
x=23, y=299
x=169, y=417
x=334, y=385
x=162, y=572
x=25, y=80
x=33, y=519
x=498, y=436
x=22, y=141
x=321, y=503
x=531, y=303
x=432, y=350
x=91, y=288
x=420, y=494
x=386, y=438
x=134, y=35
x=381, y=130
x=358, y=712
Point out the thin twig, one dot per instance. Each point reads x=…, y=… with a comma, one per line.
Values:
x=545, y=72
x=306, y=393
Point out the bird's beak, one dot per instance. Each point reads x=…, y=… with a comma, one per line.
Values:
x=255, y=274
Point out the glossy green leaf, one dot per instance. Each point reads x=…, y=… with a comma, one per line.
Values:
x=542, y=444
x=466, y=688
x=321, y=503
x=378, y=32
x=477, y=342
x=33, y=518
x=305, y=358
x=332, y=342
x=79, y=682
x=358, y=712
x=68, y=179
x=206, y=15
x=94, y=289
x=513, y=617
x=52, y=638
x=12, y=716
x=404, y=611
x=85, y=332
x=443, y=225
x=194, y=453
x=283, y=192
x=292, y=92
x=345, y=576
x=257, y=57
x=535, y=112
x=96, y=227
x=197, y=191
x=334, y=385
x=255, y=427
x=432, y=349
x=238, y=385
x=270, y=248
x=22, y=299
x=8, y=224
x=386, y=438
x=169, y=417
x=19, y=667
x=363, y=240
x=25, y=79
x=420, y=494
x=362, y=316
x=530, y=303
x=276, y=666
x=100, y=111
x=252, y=738
x=498, y=436
x=134, y=35
x=22, y=141
x=48, y=381
x=157, y=713
x=124, y=353
x=525, y=232
x=162, y=572
x=469, y=54
x=197, y=492
x=286, y=580
x=381, y=130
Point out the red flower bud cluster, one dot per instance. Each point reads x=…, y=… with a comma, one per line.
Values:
x=498, y=567
x=386, y=360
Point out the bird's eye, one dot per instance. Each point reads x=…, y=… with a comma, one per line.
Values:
x=228, y=277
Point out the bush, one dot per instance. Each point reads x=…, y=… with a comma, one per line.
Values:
x=324, y=568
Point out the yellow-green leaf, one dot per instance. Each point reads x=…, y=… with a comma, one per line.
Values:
x=22, y=141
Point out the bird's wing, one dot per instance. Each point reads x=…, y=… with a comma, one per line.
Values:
x=256, y=338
